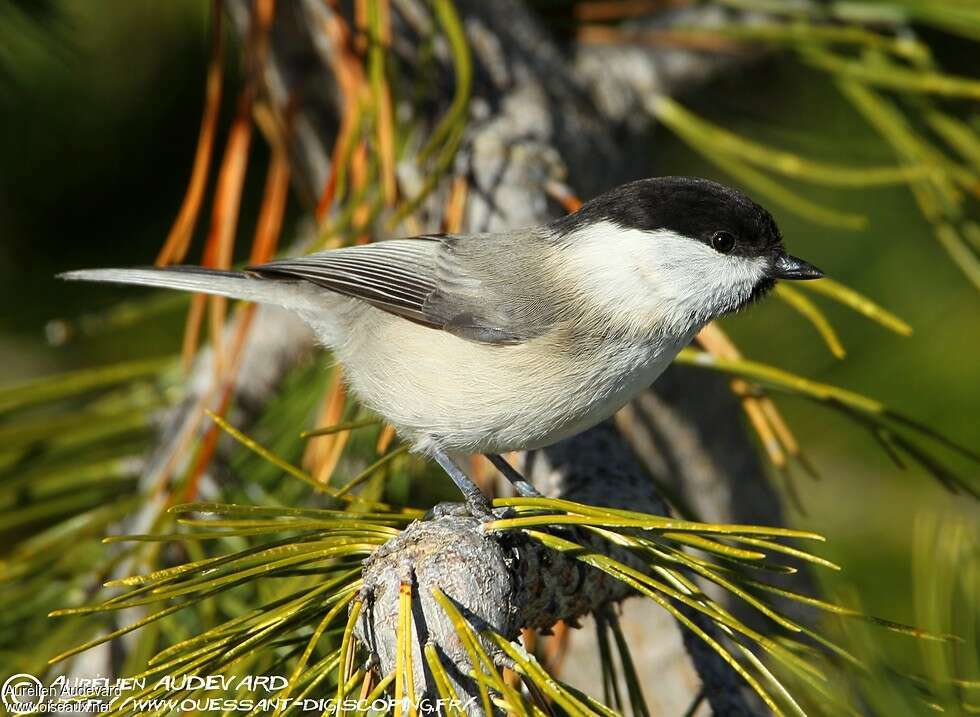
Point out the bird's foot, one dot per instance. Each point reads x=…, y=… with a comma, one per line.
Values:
x=447, y=509
x=520, y=483
x=481, y=510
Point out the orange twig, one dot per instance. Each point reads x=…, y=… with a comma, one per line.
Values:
x=483, y=474
x=349, y=73
x=192, y=330
x=178, y=240
x=529, y=638
x=785, y=435
x=263, y=12
x=713, y=339
x=224, y=216
x=347, y=67
x=452, y=219
x=323, y=455
x=359, y=177
x=386, y=120
x=386, y=146
x=385, y=438
x=598, y=10
x=218, y=248
x=556, y=648
x=227, y=195
x=761, y=424
x=269, y=224
x=267, y=232
x=175, y=247
x=360, y=39
x=341, y=147
x=776, y=437
x=604, y=34
x=564, y=195
x=210, y=441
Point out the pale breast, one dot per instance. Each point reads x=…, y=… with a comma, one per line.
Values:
x=469, y=397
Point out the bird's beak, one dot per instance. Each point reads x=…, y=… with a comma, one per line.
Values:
x=789, y=267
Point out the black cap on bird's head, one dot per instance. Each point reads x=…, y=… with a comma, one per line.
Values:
x=718, y=216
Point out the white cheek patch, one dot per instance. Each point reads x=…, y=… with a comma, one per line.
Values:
x=605, y=264
x=676, y=283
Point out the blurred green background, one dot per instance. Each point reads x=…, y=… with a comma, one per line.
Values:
x=99, y=112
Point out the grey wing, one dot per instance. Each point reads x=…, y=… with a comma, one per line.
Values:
x=396, y=276
x=467, y=286
x=493, y=287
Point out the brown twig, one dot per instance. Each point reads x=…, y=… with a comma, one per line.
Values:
x=349, y=74
x=605, y=10
x=178, y=240
x=452, y=218
x=606, y=35
x=775, y=435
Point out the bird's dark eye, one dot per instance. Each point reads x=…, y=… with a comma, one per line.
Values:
x=723, y=242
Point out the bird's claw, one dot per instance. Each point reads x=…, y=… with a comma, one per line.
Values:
x=447, y=509
x=482, y=511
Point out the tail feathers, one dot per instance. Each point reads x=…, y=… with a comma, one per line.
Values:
x=233, y=284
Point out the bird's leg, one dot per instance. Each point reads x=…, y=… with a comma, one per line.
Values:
x=520, y=483
x=477, y=503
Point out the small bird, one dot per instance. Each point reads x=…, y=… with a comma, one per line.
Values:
x=490, y=343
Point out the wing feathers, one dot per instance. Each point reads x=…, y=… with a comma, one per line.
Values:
x=396, y=275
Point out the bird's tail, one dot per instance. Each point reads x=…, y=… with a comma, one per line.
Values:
x=233, y=284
